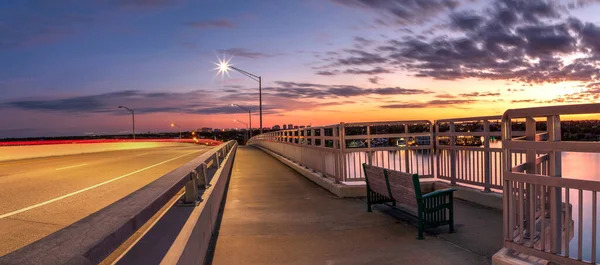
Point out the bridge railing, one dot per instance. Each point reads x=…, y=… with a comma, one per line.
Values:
x=91, y=239
x=539, y=202
x=338, y=151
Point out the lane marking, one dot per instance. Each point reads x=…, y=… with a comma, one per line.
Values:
x=91, y=187
x=61, y=168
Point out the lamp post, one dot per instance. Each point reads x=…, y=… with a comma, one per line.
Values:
x=175, y=125
x=224, y=66
x=245, y=135
x=132, y=118
x=249, y=117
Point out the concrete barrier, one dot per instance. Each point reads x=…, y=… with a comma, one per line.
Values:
x=191, y=244
x=8, y=153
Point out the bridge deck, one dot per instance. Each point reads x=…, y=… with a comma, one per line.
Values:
x=273, y=215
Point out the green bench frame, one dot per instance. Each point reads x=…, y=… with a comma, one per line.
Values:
x=433, y=209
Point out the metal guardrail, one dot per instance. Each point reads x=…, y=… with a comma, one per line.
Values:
x=93, y=238
x=539, y=206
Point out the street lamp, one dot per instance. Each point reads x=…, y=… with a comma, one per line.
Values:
x=132, y=118
x=249, y=117
x=175, y=125
x=245, y=135
x=224, y=66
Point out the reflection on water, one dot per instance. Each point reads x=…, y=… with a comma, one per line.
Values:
x=585, y=166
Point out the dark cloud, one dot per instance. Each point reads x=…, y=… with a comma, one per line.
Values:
x=360, y=57
x=242, y=52
x=375, y=80
x=480, y=94
x=321, y=91
x=403, y=12
x=374, y=71
x=527, y=41
x=360, y=42
x=327, y=73
x=429, y=104
x=208, y=24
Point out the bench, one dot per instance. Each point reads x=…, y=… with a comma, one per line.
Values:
x=403, y=191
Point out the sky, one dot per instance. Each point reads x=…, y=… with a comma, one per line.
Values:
x=66, y=65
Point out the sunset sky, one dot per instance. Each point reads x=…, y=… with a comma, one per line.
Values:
x=65, y=65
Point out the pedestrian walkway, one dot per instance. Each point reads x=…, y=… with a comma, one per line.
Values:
x=274, y=215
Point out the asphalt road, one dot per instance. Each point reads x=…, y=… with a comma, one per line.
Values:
x=40, y=196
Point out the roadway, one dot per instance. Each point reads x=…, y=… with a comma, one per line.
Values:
x=43, y=195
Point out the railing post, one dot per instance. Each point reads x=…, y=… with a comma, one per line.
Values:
x=340, y=134
x=407, y=159
x=486, y=157
x=555, y=171
x=452, y=154
x=369, y=152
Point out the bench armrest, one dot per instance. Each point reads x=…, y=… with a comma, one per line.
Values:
x=438, y=193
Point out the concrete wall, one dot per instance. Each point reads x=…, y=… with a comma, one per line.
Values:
x=35, y=151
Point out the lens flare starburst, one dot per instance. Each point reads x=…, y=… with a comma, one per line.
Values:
x=223, y=66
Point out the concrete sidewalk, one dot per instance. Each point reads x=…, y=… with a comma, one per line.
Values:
x=274, y=215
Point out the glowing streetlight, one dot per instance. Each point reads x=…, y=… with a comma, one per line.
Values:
x=132, y=118
x=249, y=116
x=223, y=67
x=245, y=135
x=175, y=125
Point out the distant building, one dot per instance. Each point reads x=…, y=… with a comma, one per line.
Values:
x=295, y=127
x=206, y=129
x=301, y=126
x=285, y=126
x=217, y=130
x=290, y=126
x=276, y=127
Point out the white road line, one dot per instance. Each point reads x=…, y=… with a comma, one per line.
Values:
x=61, y=168
x=89, y=188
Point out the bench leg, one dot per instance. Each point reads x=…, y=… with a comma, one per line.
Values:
x=451, y=212
x=420, y=235
x=369, y=201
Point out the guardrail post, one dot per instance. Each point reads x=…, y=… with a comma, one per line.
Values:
x=191, y=190
x=452, y=154
x=486, y=157
x=217, y=160
x=203, y=181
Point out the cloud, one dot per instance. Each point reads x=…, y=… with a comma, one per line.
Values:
x=375, y=80
x=242, y=52
x=529, y=41
x=322, y=91
x=429, y=104
x=209, y=24
x=445, y=96
x=327, y=73
x=402, y=12
x=374, y=71
x=359, y=57
x=480, y=94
